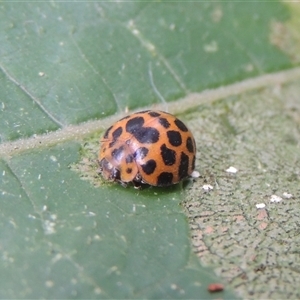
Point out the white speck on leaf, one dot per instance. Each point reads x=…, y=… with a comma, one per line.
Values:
x=49, y=227
x=232, y=170
x=53, y=217
x=211, y=47
x=275, y=198
x=217, y=14
x=53, y=158
x=97, y=291
x=195, y=174
x=175, y=287
x=260, y=205
x=207, y=187
x=56, y=258
x=49, y=283
x=97, y=237
x=287, y=195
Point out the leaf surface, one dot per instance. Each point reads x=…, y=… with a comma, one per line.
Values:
x=65, y=233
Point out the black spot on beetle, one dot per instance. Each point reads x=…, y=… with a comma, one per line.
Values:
x=193, y=163
x=128, y=170
x=134, y=124
x=118, y=153
x=153, y=114
x=164, y=179
x=174, y=138
x=183, y=166
x=149, y=167
x=190, y=145
x=124, y=118
x=164, y=122
x=129, y=159
x=111, y=144
x=180, y=125
x=142, y=112
x=107, y=132
x=168, y=155
x=147, y=135
x=115, y=174
x=141, y=153
x=116, y=133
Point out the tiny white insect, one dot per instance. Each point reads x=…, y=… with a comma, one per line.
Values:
x=287, y=195
x=195, y=174
x=275, y=198
x=232, y=170
x=207, y=187
x=260, y=205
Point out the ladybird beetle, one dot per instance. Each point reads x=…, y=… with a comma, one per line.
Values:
x=147, y=147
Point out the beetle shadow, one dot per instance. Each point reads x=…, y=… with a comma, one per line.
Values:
x=145, y=188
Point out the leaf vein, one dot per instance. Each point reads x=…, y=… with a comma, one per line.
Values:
x=152, y=49
x=30, y=95
x=86, y=60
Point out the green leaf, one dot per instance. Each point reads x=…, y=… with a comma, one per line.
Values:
x=69, y=63
x=64, y=238
x=67, y=234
